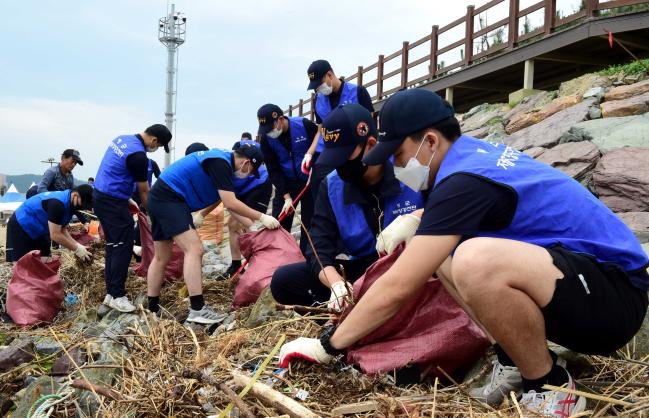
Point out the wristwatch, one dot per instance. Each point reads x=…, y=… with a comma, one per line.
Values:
x=325, y=340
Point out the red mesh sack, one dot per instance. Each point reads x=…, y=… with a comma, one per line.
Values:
x=431, y=330
x=82, y=238
x=174, y=270
x=35, y=291
x=266, y=250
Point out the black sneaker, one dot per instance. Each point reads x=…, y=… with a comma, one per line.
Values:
x=231, y=271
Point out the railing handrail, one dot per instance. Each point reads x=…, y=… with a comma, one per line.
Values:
x=437, y=68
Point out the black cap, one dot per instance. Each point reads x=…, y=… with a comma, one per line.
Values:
x=343, y=129
x=162, y=133
x=74, y=154
x=404, y=113
x=196, y=146
x=85, y=192
x=253, y=153
x=267, y=115
x=316, y=71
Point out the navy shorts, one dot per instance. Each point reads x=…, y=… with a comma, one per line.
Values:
x=170, y=215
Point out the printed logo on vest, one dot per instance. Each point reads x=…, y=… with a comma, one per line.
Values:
x=508, y=158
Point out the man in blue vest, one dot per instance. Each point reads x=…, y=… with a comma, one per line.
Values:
x=354, y=204
x=528, y=252
x=196, y=184
x=124, y=163
x=45, y=217
x=284, y=142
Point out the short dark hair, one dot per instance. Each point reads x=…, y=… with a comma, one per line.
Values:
x=449, y=128
x=85, y=192
x=91, y=179
x=246, y=135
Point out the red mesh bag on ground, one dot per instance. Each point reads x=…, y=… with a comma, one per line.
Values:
x=431, y=330
x=267, y=250
x=82, y=238
x=35, y=291
x=174, y=270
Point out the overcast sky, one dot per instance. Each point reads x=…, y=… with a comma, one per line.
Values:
x=77, y=73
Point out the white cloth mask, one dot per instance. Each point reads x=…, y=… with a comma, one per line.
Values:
x=414, y=174
x=325, y=89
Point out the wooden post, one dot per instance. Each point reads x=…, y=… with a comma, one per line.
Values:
x=550, y=15
x=449, y=95
x=591, y=8
x=300, y=107
x=290, y=110
x=404, y=65
x=468, y=45
x=513, y=23
x=433, y=51
x=359, y=75
x=312, y=115
x=379, y=77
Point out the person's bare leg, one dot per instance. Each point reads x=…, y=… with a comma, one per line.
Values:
x=506, y=283
x=155, y=275
x=192, y=247
x=234, y=227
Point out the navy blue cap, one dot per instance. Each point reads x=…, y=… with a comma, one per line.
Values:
x=404, y=113
x=316, y=71
x=266, y=116
x=162, y=133
x=196, y=146
x=343, y=129
x=253, y=153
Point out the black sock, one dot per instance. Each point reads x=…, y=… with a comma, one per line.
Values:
x=236, y=263
x=196, y=302
x=154, y=303
x=557, y=376
x=503, y=358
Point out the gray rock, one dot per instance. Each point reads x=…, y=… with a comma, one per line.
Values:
x=487, y=115
x=45, y=346
x=478, y=133
x=612, y=133
x=63, y=365
x=548, y=132
x=535, y=152
x=622, y=180
x=581, y=85
x=594, y=113
x=636, y=105
x=88, y=401
x=18, y=352
x=44, y=385
x=575, y=159
x=264, y=310
x=103, y=310
x=575, y=362
x=596, y=92
x=638, y=222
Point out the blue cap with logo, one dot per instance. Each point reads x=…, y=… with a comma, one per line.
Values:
x=266, y=116
x=343, y=129
x=404, y=113
x=316, y=71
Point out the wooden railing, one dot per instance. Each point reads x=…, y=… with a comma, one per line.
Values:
x=475, y=46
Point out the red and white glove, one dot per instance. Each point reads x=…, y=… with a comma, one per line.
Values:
x=337, y=300
x=306, y=163
x=308, y=349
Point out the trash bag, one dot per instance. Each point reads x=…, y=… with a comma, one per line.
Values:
x=266, y=250
x=174, y=270
x=429, y=331
x=83, y=238
x=35, y=291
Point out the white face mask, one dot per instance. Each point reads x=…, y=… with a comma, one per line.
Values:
x=274, y=134
x=325, y=89
x=151, y=149
x=414, y=174
x=240, y=174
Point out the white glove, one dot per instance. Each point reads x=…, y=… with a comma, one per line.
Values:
x=306, y=163
x=269, y=222
x=288, y=205
x=337, y=299
x=308, y=349
x=82, y=252
x=198, y=219
x=400, y=230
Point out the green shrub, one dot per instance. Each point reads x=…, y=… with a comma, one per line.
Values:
x=632, y=68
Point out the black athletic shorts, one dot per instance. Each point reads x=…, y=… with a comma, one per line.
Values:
x=170, y=215
x=259, y=197
x=19, y=243
x=595, y=309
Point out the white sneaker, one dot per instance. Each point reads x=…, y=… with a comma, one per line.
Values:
x=504, y=379
x=205, y=316
x=119, y=304
x=554, y=404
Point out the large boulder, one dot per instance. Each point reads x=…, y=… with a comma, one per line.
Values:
x=612, y=133
x=548, y=132
x=530, y=103
x=576, y=159
x=523, y=120
x=483, y=116
x=636, y=105
x=638, y=222
x=624, y=92
x=622, y=179
x=18, y=352
x=583, y=84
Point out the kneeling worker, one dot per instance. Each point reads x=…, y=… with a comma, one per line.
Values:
x=528, y=252
x=197, y=182
x=354, y=204
x=43, y=217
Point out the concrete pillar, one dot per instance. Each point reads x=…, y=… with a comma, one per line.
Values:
x=449, y=95
x=528, y=78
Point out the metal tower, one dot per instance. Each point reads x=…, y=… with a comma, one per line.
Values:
x=171, y=32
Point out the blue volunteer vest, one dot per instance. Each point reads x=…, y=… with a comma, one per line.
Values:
x=243, y=186
x=354, y=231
x=290, y=161
x=552, y=207
x=113, y=177
x=149, y=176
x=33, y=219
x=348, y=95
x=187, y=178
